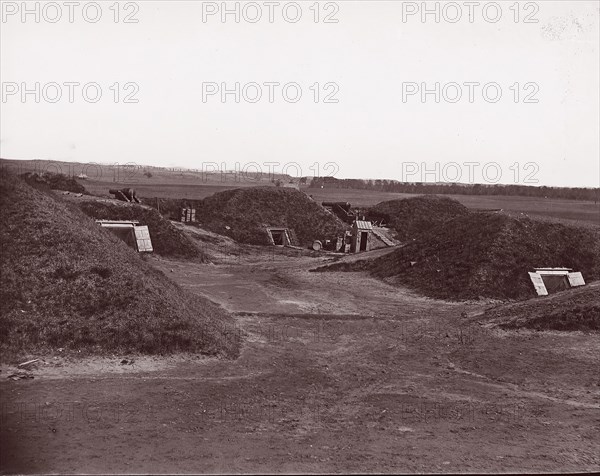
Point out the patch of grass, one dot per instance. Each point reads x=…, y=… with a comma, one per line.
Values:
x=68, y=283
x=573, y=309
x=242, y=213
x=485, y=255
x=53, y=181
x=410, y=217
x=166, y=239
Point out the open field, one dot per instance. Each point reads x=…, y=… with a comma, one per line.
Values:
x=101, y=177
x=191, y=191
x=164, y=183
x=572, y=211
x=338, y=372
x=569, y=211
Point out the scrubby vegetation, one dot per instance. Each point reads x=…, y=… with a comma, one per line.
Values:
x=166, y=239
x=412, y=216
x=53, y=181
x=574, y=309
x=485, y=255
x=242, y=213
x=67, y=283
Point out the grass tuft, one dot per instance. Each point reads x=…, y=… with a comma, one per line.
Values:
x=68, y=283
x=241, y=214
x=484, y=255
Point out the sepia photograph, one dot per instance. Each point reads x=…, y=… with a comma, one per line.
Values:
x=299, y=237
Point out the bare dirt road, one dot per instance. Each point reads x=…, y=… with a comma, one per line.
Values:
x=338, y=372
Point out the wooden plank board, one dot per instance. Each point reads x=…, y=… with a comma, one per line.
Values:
x=576, y=279
x=538, y=284
x=142, y=236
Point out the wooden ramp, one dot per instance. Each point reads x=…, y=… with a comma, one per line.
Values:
x=383, y=235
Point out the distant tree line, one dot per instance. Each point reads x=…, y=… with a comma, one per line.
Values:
x=382, y=185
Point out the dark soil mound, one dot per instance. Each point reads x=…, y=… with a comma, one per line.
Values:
x=574, y=309
x=68, y=283
x=166, y=239
x=53, y=181
x=241, y=214
x=413, y=216
x=486, y=255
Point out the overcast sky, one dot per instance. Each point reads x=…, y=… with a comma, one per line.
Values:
x=544, y=131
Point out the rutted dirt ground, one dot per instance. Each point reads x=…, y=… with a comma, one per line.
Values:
x=338, y=372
